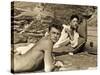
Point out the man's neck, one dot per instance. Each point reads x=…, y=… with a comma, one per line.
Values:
x=48, y=37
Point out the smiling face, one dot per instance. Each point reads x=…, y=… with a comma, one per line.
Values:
x=74, y=23
x=54, y=34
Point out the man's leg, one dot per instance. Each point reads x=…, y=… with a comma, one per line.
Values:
x=81, y=44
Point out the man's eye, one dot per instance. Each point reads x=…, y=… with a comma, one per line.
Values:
x=58, y=33
x=53, y=32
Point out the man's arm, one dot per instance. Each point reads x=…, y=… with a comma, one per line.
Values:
x=48, y=61
x=48, y=58
x=74, y=42
x=73, y=39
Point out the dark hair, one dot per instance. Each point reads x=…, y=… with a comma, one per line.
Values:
x=74, y=16
x=56, y=24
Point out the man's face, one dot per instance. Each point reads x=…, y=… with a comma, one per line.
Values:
x=74, y=23
x=54, y=34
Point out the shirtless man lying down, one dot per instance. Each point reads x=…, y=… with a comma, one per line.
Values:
x=41, y=51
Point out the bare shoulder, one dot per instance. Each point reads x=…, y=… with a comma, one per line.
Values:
x=46, y=43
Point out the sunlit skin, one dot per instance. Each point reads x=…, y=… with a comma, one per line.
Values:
x=74, y=23
x=41, y=51
x=54, y=34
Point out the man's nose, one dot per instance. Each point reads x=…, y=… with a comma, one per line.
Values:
x=76, y=23
x=55, y=35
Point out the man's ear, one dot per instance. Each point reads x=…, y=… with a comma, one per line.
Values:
x=47, y=33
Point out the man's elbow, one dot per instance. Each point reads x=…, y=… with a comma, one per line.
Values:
x=74, y=45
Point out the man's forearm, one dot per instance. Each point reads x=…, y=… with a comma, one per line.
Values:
x=49, y=62
x=70, y=36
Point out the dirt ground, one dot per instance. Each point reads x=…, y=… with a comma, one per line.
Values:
x=79, y=61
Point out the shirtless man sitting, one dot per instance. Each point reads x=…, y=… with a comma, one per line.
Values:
x=41, y=51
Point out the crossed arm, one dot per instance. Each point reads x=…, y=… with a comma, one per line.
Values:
x=73, y=39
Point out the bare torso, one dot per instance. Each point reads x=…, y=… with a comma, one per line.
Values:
x=33, y=57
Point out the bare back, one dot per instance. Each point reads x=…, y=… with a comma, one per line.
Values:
x=33, y=57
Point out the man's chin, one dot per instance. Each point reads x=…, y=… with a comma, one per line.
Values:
x=54, y=41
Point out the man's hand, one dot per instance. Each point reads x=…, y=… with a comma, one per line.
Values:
x=69, y=34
